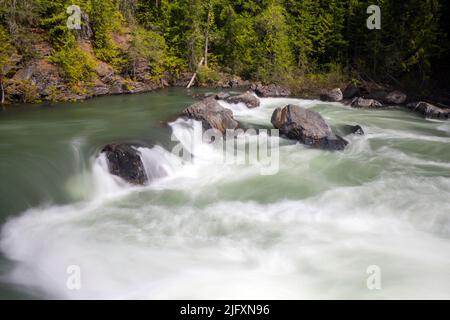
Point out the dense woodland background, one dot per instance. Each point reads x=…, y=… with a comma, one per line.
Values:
x=291, y=42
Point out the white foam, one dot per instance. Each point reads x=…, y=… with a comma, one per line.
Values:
x=205, y=230
x=287, y=249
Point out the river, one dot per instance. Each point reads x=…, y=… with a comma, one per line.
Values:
x=211, y=230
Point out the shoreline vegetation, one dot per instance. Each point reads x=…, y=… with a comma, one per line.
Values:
x=305, y=49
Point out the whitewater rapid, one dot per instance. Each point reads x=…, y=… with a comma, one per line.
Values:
x=205, y=230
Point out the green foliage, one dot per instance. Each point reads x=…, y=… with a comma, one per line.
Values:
x=76, y=65
x=207, y=76
x=152, y=47
x=317, y=31
x=238, y=40
x=147, y=51
x=18, y=16
x=25, y=90
x=329, y=76
x=273, y=53
x=5, y=49
x=266, y=40
x=105, y=19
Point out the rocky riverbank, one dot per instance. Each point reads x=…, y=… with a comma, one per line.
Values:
x=358, y=97
x=39, y=80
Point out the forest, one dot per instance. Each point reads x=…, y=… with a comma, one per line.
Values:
x=290, y=42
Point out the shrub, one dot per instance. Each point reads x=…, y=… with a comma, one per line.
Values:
x=206, y=75
x=23, y=91
x=148, y=47
x=76, y=65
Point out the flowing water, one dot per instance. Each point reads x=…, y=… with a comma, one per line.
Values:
x=205, y=229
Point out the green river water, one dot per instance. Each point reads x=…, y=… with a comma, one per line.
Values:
x=214, y=230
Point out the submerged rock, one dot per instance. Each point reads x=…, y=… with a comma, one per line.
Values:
x=349, y=129
x=429, y=110
x=357, y=130
x=366, y=103
x=396, y=97
x=306, y=126
x=124, y=161
x=247, y=98
x=212, y=115
x=334, y=95
x=271, y=90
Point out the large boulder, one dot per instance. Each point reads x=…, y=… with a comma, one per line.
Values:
x=334, y=95
x=396, y=97
x=247, y=98
x=124, y=161
x=429, y=110
x=306, y=126
x=271, y=90
x=366, y=103
x=212, y=115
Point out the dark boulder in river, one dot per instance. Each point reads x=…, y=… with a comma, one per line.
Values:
x=124, y=161
x=356, y=130
x=429, y=110
x=349, y=129
x=306, y=126
x=248, y=98
x=212, y=115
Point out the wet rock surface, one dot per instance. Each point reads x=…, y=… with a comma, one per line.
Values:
x=365, y=103
x=271, y=90
x=334, y=95
x=124, y=161
x=307, y=127
x=212, y=115
x=247, y=98
x=429, y=110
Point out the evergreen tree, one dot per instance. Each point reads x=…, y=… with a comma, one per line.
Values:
x=267, y=40
x=5, y=52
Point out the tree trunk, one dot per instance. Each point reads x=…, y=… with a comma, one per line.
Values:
x=206, y=48
x=3, y=91
x=195, y=75
x=208, y=21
